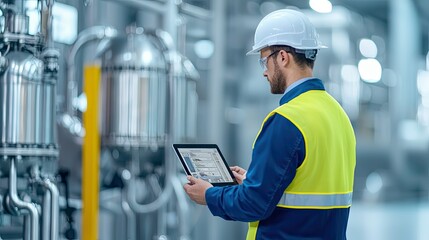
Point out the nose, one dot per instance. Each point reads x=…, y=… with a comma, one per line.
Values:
x=265, y=73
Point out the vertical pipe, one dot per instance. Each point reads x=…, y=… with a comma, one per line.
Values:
x=216, y=83
x=54, y=208
x=27, y=227
x=48, y=27
x=183, y=208
x=91, y=155
x=170, y=19
x=216, y=114
x=30, y=207
x=131, y=225
x=46, y=215
x=405, y=43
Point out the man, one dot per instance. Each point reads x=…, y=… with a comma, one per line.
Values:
x=300, y=181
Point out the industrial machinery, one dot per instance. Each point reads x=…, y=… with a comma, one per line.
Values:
x=148, y=100
x=134, y=123
x=28, y=76
x=148, y=92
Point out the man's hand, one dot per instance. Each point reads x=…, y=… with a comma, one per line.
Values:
x=239, y=173
x=196, y=189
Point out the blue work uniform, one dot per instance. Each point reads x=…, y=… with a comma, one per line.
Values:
x=309, y=210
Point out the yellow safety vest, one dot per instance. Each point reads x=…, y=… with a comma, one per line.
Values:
x=325, y=178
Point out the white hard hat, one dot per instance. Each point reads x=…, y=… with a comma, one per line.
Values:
x=286, y=27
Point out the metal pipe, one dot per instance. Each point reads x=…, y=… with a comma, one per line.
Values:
x=150, y=5
x=30, y=207
x=54, y=207
x=131, y=224
x=181, y=35
x=27, y=227
x=46, y=215
x=48, y=24
x=84, y=37
x=183, y=208
x=194, y=11
x=131, y=189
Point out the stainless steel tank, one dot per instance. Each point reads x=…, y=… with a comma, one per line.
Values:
x=21, y=100
x=134, y=91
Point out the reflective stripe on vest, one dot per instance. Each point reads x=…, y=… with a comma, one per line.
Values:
x=253, y=228
x=316, y=200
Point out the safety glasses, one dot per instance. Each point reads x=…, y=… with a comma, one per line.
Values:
x=263, y=61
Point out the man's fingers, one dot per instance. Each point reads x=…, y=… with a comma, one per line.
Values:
x=238, y=169
x=192, y=180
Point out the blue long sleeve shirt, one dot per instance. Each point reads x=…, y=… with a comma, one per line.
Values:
x=278, y=151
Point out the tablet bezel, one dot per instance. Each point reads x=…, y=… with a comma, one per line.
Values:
x=176, y=147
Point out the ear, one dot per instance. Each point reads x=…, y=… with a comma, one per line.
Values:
x=285, y=58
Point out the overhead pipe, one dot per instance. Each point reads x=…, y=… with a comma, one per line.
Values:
x=84, y=37
x=194, y=11
x=150, y=5
x=159, y=7
x=30, y=207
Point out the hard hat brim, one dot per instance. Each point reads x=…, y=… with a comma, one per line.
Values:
x=257, y=50
x=252, y=52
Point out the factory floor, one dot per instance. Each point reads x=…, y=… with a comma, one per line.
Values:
x=389, y=221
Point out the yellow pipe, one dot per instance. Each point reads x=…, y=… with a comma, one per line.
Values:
x=91, y=154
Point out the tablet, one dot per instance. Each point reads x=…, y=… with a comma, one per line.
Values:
x=206, y=162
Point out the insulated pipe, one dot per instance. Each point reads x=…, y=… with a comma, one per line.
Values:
x=84, y=37
x=32, y=210
x=54, y=210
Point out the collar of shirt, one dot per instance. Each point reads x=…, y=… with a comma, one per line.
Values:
x=301, y=86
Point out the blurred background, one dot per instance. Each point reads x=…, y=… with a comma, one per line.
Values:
x=94, y=92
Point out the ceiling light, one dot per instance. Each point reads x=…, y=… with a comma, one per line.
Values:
x=321, y=6
x=368, y=48
x=370, y=70
x=204, y=48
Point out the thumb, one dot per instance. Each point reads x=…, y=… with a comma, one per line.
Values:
x=239, y=177
x=191, y=180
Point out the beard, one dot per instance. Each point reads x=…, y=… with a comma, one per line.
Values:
x=278, y=81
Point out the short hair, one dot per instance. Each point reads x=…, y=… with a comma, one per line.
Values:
x=300, y=57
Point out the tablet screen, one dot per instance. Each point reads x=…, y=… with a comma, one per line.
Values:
x=205, y=162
